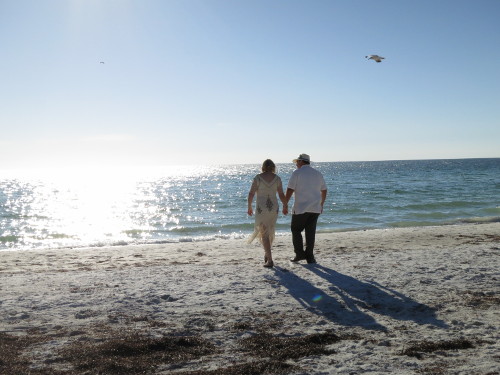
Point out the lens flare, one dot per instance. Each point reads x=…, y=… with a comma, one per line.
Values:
x=317, y=298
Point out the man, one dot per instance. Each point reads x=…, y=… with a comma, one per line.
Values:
x=310, y=191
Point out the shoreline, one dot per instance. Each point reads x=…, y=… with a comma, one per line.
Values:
x=242, y=236
x=378, y=291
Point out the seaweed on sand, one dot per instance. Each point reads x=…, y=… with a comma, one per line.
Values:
x=481, y=300
x=133, y=353
x=251, y=368
x=12, y=359
x=273, y=351
x=282, y=348
x=417, y=349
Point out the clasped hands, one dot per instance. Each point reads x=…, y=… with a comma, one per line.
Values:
x=285, y=210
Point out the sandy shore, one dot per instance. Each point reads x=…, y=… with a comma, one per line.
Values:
x=403, y=301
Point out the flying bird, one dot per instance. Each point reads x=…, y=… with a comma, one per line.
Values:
x=377, y=58
x=102, y=62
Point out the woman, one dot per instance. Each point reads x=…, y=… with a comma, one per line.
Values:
x=266, y=185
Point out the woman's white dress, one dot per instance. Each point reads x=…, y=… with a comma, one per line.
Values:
x=267, y=208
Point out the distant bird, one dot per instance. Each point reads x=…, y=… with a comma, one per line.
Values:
x=102, y=62
x=377, y=58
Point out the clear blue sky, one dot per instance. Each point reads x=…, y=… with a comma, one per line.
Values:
x=228, y=81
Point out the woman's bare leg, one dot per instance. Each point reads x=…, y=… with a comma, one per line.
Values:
x=267, y=250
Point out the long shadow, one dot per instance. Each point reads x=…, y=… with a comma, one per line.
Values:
x=351, y=302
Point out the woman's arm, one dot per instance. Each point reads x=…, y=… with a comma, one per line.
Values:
x=283, y=199
x=251, y=194
x=250, y=201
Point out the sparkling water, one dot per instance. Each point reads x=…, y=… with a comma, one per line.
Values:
x=102, y=207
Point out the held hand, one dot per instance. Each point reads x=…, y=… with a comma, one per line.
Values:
x=285, y=210
x=250, y=211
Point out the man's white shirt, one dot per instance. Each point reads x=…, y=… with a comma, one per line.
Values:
x=307, y=184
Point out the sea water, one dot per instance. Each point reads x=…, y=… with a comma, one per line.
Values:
x=112, y=207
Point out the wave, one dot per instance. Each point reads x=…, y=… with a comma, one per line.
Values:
x=495, y=210
x=439, y=205
x=201, y=230
x=469, y=220
x=7, y=242
x=350, y=227
x=9, y=239
x=479, y=220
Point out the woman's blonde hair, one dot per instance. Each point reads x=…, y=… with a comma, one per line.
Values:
x=268, y=166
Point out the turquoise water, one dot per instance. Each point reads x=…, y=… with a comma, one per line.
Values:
x=54, y=209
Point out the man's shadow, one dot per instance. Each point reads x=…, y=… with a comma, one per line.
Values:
x=348, y=301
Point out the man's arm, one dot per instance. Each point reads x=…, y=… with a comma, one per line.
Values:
x=323, y=198
x=288, y=195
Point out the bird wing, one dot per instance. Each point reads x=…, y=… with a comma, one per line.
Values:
x=377, y=58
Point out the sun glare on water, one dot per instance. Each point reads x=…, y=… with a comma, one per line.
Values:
x=97, y=206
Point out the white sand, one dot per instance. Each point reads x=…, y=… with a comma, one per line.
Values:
x=389, y=287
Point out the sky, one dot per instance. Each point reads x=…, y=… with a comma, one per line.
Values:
x=174, y=82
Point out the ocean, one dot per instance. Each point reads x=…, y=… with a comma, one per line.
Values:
x=121, y=206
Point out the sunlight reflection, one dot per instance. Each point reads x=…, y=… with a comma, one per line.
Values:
x=97, y=205
x=109, y=206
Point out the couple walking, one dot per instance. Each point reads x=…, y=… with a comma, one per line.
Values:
x=309, y=188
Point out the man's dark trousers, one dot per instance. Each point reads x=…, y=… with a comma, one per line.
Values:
x=306, y=221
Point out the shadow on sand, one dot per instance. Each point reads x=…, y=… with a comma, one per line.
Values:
x=350, y=302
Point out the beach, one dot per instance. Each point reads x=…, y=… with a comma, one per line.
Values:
x=420, y=300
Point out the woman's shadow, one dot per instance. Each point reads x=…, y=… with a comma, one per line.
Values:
x=350, y=302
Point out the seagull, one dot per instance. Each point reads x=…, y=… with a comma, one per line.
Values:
x=377, y=58
x=102, y=62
